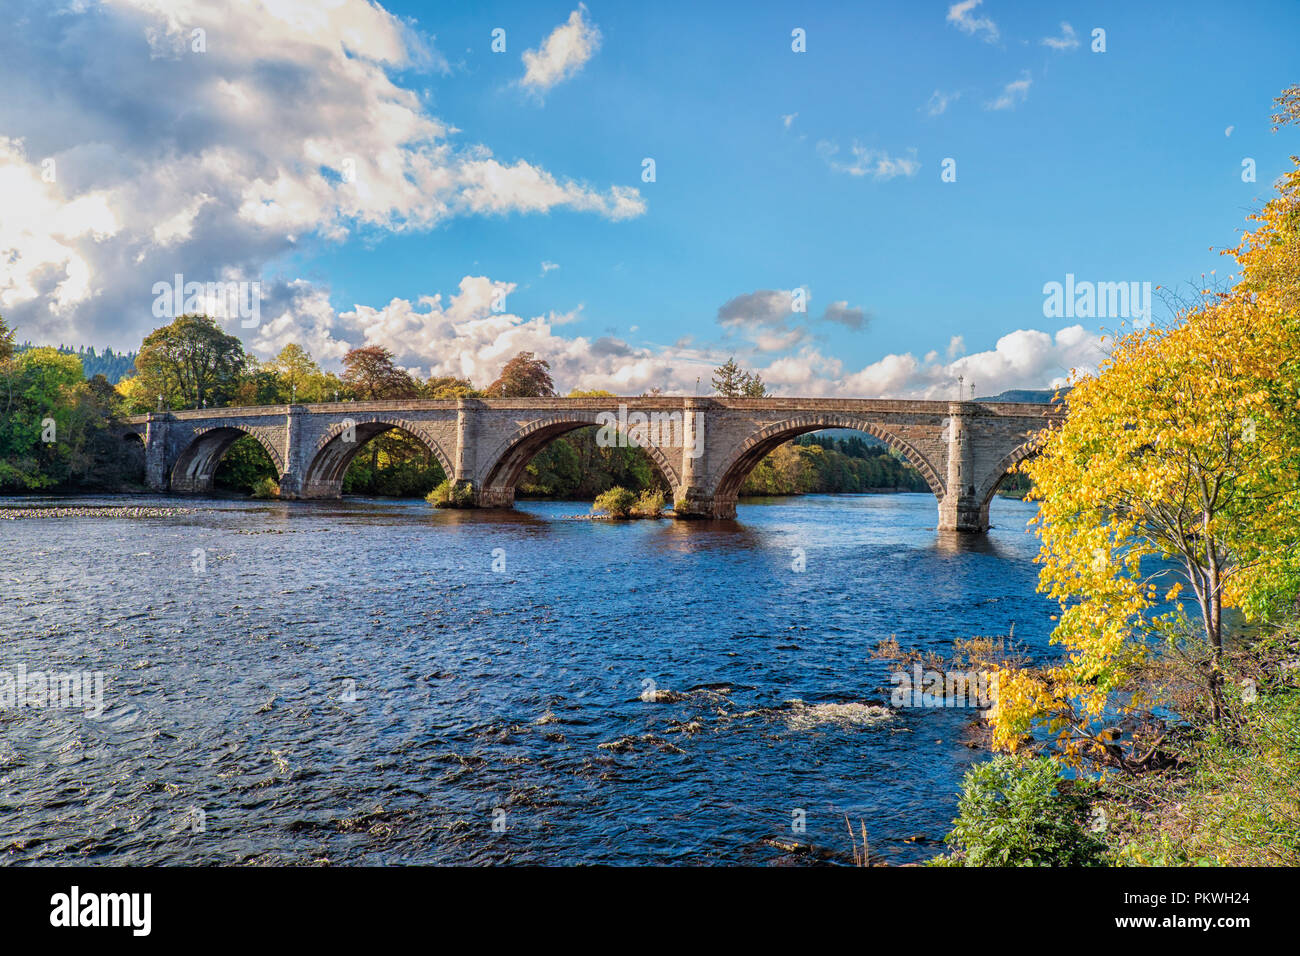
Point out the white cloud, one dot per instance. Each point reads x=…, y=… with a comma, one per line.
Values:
x=1026, y=358
x=787, y=119
x=548, y=266
x=45, y=238
x=939, y=102
x=1066, y=41
x=1228, y=131
x=1015, y=92
x=287, y=129
x=959, y=15
x=875, y=163
x=486, y=186
x=562, y=54
x=462, y=336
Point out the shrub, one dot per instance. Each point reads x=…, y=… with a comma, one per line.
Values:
x=1013, y=812
x=617, y=502
x=650, y=503
x=448, y=495
x=266, y=488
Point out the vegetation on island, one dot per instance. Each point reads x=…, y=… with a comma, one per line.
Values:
x=621, y=503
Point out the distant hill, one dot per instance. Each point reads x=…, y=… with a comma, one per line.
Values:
x=1039, y=396
x=114, y=366
x=843, y=434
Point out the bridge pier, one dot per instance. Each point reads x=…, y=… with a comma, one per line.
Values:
x=291, y=487
x=291, y=482
x=960, y=509
x=157, y=468
x=694, y=502
x=494, y=497
x=691, y=499
x=963, y=513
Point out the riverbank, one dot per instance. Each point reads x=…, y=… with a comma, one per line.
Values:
x=1197, y=792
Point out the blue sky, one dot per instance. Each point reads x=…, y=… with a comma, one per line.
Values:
x=1115, y=166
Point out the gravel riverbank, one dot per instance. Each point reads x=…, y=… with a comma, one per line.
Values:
x=93, y=511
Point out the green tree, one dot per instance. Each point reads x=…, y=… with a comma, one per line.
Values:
x=445, y=387
x=260, y=385
x=398, y=465
x=47, y=422
x=190, y=363
x=6, y=341
x=300, y=374
x=732, y=381
x=244, y=465
x=729, y=379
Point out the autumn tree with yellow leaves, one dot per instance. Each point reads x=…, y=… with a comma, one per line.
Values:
x=1173, y=483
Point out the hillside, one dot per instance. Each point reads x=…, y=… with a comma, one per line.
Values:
x=1040, y=396
x=114, y=366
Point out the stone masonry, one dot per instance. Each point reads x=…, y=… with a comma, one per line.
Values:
x=704, y=447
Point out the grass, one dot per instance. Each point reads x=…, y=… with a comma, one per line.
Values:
x=860, y=855
x=1235, y=801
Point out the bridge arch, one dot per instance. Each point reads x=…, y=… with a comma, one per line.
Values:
x=329, y=460
x=762, y=442
x=511, y=456
x=985, y=491
x=197, y=463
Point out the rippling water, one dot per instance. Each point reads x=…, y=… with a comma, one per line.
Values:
x=353, y=682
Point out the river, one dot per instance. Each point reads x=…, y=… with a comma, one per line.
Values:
x=377, y=682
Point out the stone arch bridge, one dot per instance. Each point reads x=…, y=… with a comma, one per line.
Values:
x=704, y=447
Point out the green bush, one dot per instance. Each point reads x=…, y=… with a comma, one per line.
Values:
x=617, y=502
x=447, y=495
x=1013, y=812
x=266, y=488
x=650, y=504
